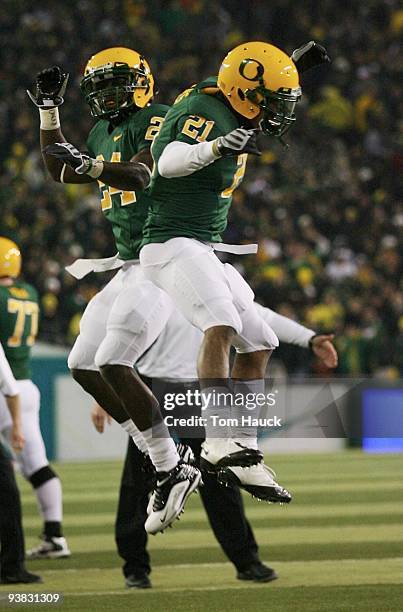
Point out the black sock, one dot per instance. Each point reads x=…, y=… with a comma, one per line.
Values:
x=53, y=529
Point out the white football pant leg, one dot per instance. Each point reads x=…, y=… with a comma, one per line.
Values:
x=195, y=279
x=137, y=317
x=33, y=456
x=256, y=334
x=32, y=459
x=93, y=326
x=206, y=291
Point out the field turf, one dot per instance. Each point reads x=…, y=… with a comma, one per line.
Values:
x=338, y=546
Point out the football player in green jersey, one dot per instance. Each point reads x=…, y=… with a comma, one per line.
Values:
x=200, y=156
x=115, y=96
x=19, y=313
x=126, y=317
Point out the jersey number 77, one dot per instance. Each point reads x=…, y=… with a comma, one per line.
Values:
x=23, y=309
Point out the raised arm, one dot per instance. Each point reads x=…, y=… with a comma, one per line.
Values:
x=49, y=89
x=64, y=162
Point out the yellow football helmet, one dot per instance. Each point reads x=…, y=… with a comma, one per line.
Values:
x=259, y=79
x=10, y=258
x=114, y=80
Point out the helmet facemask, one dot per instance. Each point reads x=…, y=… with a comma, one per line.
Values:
x=109, y=90
x=278, y=108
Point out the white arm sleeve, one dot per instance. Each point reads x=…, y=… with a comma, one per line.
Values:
x=286, y=330
x=8, y=385
x=182, y=159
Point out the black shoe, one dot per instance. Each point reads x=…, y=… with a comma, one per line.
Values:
x=258, y=572
x=219, y=454
x=138, y=582
x=22, y=577
x=258, y=480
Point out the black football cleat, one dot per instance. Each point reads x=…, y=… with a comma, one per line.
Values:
x=169, y=498
x=139, y=581
x=217, y=454
x=185, y=453
x=258, y=480
x=21, y=577
x=257, y=572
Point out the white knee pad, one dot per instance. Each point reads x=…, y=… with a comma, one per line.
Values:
x=256, y=334
x=82, y=355
x=138, y=316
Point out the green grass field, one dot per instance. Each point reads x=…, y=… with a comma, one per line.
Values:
x=338, y=546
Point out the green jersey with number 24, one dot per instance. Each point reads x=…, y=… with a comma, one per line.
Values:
x=194, y=206
x=126, y=210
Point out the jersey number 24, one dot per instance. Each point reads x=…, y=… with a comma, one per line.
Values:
x=126, y=197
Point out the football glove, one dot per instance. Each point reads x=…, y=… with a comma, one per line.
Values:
x=50, y=86
x=69, y=155
x=237, y=142
x=310, y=55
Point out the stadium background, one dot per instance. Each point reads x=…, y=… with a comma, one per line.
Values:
x=326, y=212
x=328, y=219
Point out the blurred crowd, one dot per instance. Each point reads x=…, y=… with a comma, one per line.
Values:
x=325, y=211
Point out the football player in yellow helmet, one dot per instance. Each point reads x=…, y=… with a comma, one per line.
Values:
x=200, y=157
x=116, y=79
x=10, y=258
x=19, y=313
x=117, y=82
x=261, y=83
x=124, y=319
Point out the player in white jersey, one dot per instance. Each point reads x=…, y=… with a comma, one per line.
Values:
x=173, y=358
x=174, y=354
x=35, y=467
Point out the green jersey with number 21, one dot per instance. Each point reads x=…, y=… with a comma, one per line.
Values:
x=126, y=210
x=197, y=205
